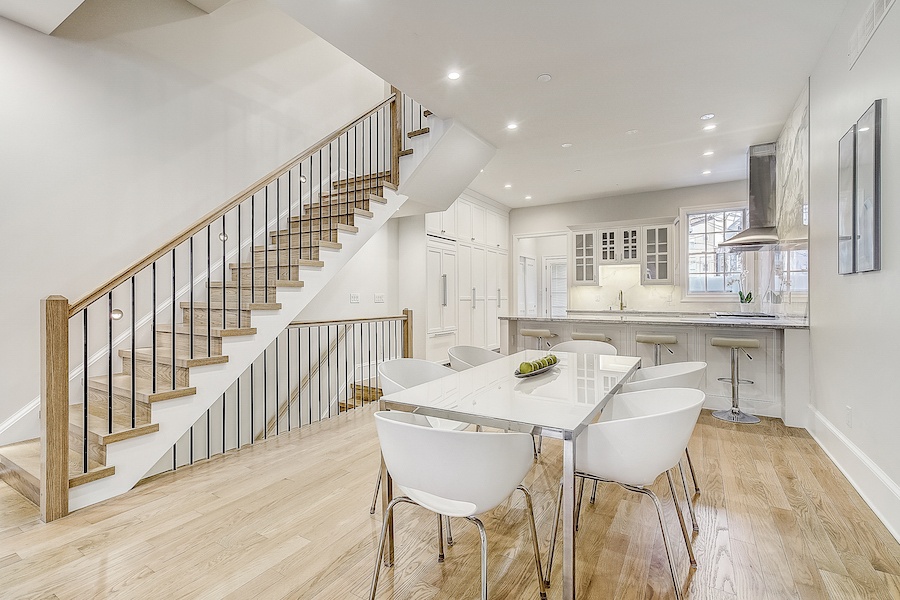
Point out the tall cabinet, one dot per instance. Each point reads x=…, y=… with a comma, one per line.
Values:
x=478, y=290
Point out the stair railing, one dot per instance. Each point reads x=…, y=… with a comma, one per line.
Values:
x=261, y=237
x=313, y=371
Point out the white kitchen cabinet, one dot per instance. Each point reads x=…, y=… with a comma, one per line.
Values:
x=472, y=295
x=442, y=224
x=619, y=246
x=497, y=228
x=657, y=261
x=441, y=288
x=470, y=222
x=583, y=259
x=497, y=303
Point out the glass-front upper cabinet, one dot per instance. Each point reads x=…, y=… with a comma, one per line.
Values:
x=657, y=266
x=619, y=246
x=584, y=258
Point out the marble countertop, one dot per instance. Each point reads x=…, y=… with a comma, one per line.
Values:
x=660, y=318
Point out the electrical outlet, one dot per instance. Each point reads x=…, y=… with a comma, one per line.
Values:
x=379, y=298
x=354, y=298
x=849, y=415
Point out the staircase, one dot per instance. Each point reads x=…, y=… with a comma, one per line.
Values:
x=149, y=394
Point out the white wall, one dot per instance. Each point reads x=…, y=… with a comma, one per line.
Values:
x=128, y=124
x=854, y=318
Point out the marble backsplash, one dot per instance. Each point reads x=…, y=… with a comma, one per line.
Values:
x=667, y=298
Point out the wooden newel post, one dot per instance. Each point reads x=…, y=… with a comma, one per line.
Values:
x=408, y=333
x=54, y=408
x=396, y=134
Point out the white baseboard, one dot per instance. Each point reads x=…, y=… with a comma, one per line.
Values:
x=879, y=491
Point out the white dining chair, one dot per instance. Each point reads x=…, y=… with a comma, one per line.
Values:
x=453, y=473
x=585, y=347
x=674, y=375
x=466, y=357
x=643, y=441
x=403, y=373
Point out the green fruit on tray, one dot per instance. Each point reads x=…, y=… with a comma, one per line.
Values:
x=553, y=359
x=525, y=367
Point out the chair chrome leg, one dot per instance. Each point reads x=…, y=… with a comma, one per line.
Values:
x=687, y=497
x=484, y=557
x=594, y=492
x=552, y=549
x=693, y=474
x=449, y=533
x=375, y=496
x=578, y=503
x=684, y=531
x=540, y=443
x=534, y=541
x=534, y=443
x=665, y=535
x=388, y=515
x=440, y=519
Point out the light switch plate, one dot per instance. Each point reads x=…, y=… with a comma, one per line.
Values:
x=354, y=298
x=379, y=298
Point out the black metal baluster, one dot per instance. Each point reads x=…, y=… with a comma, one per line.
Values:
x=224, y=421
x=174, y=316
x=133, y=350
x=209, y=295
x=309, y=370
x=266, y=215
x=356, y=363
x=277, y=238
x=252, y=264
x=369, y=360
x=153, y=327
x=224, y=237
x=208, y=435
x=253, y=397
x=319, y=370
x=84, y=416
x=277, y=398
x=328, y=364
x=175, y=456
x=288, y=360
x=346, y=370
x=109, y=372
x=192, y=445
x=238, y=410
x=191, y=286
x=240, y=263
x=375, y=326
x=320, y=209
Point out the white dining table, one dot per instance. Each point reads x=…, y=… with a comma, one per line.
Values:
x=558, y=403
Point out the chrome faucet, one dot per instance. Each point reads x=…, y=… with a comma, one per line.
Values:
x=621, y=300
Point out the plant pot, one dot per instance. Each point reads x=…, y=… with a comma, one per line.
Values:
x=747, y=307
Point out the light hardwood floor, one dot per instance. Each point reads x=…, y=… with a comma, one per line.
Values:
x=289, y=518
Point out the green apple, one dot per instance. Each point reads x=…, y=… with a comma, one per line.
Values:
x=525, y=368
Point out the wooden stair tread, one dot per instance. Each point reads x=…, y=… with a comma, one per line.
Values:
x=231, y=306
x=344, y=199
x=27, y=456
x=143, y=390
x=313, y=244
x=355, y=211
x=216, y=331
x=296, y=262
x=406, y=152
x=164, y=356
x=427, y=113
x=383, y=175
x=334, y=226
x=418, y=132
x=122, y=429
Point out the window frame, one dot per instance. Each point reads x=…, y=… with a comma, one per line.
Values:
x=550, y=260
x=683, y=236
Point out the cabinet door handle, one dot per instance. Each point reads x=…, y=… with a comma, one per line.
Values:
x=444, y=284
x=473, y=298
x=498, y=297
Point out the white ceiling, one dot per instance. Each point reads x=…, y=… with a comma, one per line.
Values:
x=654, y=66
x=42, y=15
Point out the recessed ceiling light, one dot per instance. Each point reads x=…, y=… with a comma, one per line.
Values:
x=512, y=126
x=707, y=116
x=578, y=170
x=567, y=145
x=709, y=128
x=708, y=153
x=544, y=77
x=482, y=170
x=528, y=197
x=631, y=131
x=706, y=172
x=863, y=128
x=508, y=185
x=453, y=75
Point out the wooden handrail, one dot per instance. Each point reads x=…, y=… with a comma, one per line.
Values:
x=342, y=321
x=198, y=226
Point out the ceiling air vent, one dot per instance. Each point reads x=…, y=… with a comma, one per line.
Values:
x=870, y=21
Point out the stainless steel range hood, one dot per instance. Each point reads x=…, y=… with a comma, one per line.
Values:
x=761, y=182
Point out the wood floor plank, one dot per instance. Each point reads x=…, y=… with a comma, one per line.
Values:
x=288, y=518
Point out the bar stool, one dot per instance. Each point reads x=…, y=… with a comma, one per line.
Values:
x=540, y=334
x=735, y=414
x=593, y=337
x=659, y=341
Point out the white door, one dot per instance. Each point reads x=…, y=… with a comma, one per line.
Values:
x=528, y=285
x=492, y=306
x=466, y=301
x=434, y=289
x=555, y=292
x=450, y=305
x=479, y=283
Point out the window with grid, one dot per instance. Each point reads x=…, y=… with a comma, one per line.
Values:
x=791, y=271
x=711, y=271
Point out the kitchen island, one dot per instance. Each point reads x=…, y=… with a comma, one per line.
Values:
x=779, y=368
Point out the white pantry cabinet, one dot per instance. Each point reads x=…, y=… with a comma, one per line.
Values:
x=441, y=288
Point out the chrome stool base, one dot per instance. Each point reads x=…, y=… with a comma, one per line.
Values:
x=735, y=416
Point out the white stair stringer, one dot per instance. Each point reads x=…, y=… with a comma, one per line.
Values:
x=135, y=457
